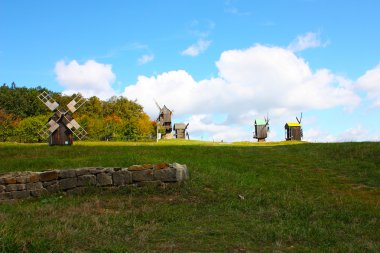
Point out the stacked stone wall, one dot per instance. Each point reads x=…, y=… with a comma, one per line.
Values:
x=21, y=185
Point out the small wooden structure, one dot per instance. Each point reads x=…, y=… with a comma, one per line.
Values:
x=293, y=130
x=61, y=126
x=62, y=135
x=165, y=119
x=180, y=130
x=261, y=129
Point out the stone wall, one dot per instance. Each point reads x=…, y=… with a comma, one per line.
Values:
x=21, y=185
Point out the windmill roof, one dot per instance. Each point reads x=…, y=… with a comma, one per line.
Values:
x=179, y=126
x=293, y=124
x=165, y=108
x=260, y=121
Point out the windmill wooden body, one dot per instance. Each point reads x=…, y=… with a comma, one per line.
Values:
x=180, y=130
x=293, y=130
x=164, y=119
x=61, y=126
x=261, y=129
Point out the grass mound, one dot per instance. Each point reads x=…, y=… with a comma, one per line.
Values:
x=241, y=197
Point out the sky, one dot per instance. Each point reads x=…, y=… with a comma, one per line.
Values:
x=219, y=64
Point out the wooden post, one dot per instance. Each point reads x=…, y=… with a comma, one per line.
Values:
x=157, y=132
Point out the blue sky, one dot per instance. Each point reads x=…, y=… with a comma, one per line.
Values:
x=218, y=64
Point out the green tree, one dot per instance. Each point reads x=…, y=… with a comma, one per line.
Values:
x=28, y=128
x=8, y=124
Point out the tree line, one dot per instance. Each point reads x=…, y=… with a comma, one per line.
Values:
x=23, y=115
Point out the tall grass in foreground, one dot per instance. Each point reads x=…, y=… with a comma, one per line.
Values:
x=241, y=197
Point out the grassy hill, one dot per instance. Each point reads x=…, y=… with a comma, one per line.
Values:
x=241, y=197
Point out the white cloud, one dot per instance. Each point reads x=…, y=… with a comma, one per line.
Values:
x=370, y=82
x=251, y=82
x=90, y=79
x=145, y=59
x=305, y=41
x=197, y=48
x=316, y=135
x=200, y=127
x=230, y=7
x=356, y=133
x=236, y=11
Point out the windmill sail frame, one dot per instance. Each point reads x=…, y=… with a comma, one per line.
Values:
x=61, y=126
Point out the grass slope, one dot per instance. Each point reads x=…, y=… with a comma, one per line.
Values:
x=241, y=197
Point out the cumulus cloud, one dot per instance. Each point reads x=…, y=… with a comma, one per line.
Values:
x=370, y=82
x=145, y=59
x=356, y=133
x=197, y=48
x=90, y=79
x=202, y=127
x=251, y=82
x=305, y=41
x=316, y=135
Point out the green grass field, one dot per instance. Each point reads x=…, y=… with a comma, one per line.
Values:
x=241, y=197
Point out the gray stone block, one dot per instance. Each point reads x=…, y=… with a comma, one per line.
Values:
x=82, y=171
x=53, y=188
x=103, y=179
x=15, y=187
x=165, y=175
x=2, y=188
x=46, y=184
x=48, y=175
x=122, y=177
x=67, y=173
x=67, y=183
x=108, y=170
x=5, y=195
x=142, y=175
x=76, y=191
x=86, y=180
x=39, y=193
x=34, y=186
x=96, y=171
x=22, y=179
x=20, y=194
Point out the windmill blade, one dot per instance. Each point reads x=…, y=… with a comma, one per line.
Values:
x=300, y=119
x=48, y=100
x=158, y=106
x=80, y=133
x=53, y=126
x=48, y=129
x=75, y=128
x=77, y=102
x=44, y=132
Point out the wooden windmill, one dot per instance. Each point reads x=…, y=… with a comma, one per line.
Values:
x=180, y=130
x=62, y=126
x=164, y=119
x=293, y=130
x=261, y=129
